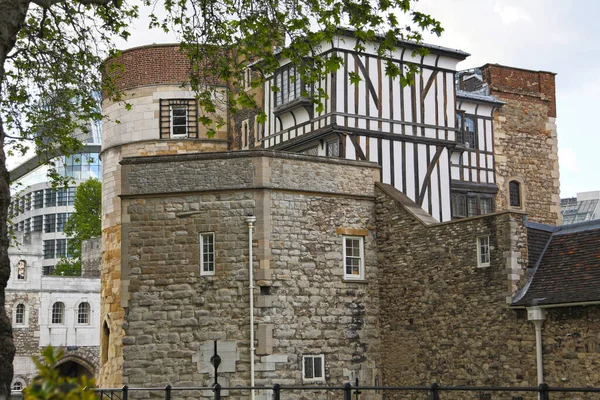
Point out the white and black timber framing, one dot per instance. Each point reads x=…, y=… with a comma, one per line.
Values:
x=411, y=131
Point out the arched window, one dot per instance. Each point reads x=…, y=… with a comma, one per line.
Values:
x=58, y=313
x=514, y=193
x=83, y=313
x=17, y=386
x=20, y=314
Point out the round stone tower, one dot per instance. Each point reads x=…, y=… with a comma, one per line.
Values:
x=158, y=116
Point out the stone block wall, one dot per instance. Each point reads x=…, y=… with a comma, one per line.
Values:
x=525, y=140
x=444, y=319
x=304, y=205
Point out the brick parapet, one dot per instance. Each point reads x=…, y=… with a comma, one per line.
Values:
x=156, y=64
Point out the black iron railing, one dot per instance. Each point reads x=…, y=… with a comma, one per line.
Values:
x=350, y=392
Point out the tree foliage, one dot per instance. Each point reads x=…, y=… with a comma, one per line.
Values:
x=49, y=385
x=85, y=223
x=51, y=52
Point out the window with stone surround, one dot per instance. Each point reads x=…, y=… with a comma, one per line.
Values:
x=483, y=251
x=83, y=313
x=17, y=386
x=514, y=193
x=21, y=270
x=178, y=118
x=58, y=313
x=207, y=253
x=245, y=134
x=354, y=257
x=20, y=314
x=313, y=368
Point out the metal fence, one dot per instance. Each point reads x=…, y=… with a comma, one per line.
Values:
x=349, y=392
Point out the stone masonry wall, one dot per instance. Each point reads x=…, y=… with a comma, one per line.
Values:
x=445, y=320
x=525, y=140
x=304, y=205
x=112, y=312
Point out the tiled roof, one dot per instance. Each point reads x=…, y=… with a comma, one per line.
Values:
x=568, y=270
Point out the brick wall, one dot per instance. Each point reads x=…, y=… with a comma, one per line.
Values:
x=152, y=65
x=525, y=140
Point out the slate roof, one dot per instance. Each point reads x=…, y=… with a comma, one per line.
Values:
x=478, y=97
x=568, y=268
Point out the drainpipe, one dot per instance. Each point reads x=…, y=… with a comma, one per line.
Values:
x=250, y=219
x=537, y=315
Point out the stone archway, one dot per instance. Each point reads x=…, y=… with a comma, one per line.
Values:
x=74, y=367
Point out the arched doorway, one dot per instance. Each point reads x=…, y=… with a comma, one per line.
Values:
x=74, y=367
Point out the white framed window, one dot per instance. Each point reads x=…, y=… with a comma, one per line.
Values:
x=354, y=257
x=483, y=251
x=83, y=313
x=179, y=121
x=20, y=314
x=17, y=386
x=313, y=368
x=58, y=313
x=207, y=253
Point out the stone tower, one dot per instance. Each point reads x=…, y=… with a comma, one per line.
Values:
x=161, y=120
x=525, y=141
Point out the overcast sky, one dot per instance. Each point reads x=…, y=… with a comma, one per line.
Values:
x=557, y=36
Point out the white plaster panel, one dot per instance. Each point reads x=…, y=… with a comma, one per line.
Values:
x=410, y=178
x=385, y=161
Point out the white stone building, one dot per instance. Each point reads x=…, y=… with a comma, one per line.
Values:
x=48, y=308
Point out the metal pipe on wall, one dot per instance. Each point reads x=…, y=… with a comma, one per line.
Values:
x=251, y=219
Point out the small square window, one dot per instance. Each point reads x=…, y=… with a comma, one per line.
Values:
x=483, y=251
x=207, y=254
x=313, y=368
x=354, y=259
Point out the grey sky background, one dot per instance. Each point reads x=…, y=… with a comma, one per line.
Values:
x=550, y=35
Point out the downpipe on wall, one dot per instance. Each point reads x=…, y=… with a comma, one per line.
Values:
x=537, y=315
x=251, y=219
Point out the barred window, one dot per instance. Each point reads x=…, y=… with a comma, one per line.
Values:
x=178, y=118
x=83, y=313
x=58, y=313
x=50, y=223
x=50, y=197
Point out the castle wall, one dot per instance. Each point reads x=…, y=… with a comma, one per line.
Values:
x=525, y=140
x=446, y=320
x=304, y=206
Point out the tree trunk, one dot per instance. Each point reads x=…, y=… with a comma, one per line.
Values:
x=12, y=17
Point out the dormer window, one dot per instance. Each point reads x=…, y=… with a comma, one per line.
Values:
x=178, y=118
x=290, y=85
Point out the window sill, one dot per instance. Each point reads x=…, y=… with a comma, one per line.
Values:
x=290, y=105
x=362, y=281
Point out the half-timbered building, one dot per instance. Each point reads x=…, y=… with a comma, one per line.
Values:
x=433, y=143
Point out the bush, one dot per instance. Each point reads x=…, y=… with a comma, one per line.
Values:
x=48, y=385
